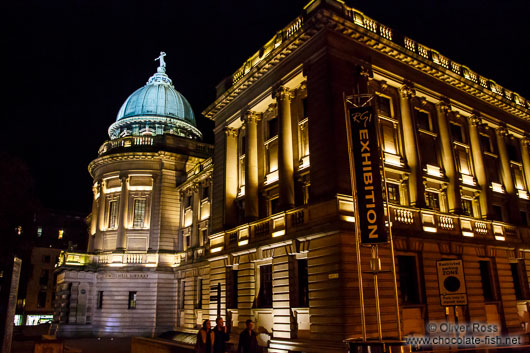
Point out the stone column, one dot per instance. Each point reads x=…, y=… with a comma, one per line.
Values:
x=231, y=176
x=121, y=237
x=506, y=171
x=101, y=208
x=478, y=164
x=251, y=165
x=507, y=178
x=453, y=190
x=154, y=219
x=93, y=218
x=195, y=207
x=526, y=160
x=285, y=147
x=416, y=197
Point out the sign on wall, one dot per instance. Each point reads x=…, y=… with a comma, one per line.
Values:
x=367, y=164
x=451, y=282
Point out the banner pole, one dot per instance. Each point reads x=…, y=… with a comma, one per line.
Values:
x=357, y=225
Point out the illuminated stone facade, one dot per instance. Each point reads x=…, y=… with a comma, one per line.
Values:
x=279, y=237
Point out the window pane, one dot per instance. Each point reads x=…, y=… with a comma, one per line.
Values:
x=100, y=300
x=389, y=137
x=272, y=156
x=139, y=213
x=486, y=279
x=428, y=150
x=485, y=141
x=408, y=280
x=272, y=128
x=132, y=300
x=456, y=132
x=303, y=284
x=423, y=120
x=393, y=193
x=467, y=207
x=265, y=289
x=432, y=200
x=383, y=106
x=463, y=160
x=113, y=213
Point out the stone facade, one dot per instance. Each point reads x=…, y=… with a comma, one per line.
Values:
x=279, y=234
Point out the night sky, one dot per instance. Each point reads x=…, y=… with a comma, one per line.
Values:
x=70, y=64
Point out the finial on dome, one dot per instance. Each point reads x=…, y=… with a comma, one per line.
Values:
x=162, y=67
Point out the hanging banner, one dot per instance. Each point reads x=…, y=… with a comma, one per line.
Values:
x=367, y=164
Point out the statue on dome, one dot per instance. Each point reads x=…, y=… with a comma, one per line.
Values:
x=162, y=67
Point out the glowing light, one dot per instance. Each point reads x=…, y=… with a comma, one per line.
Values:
x=393, y=159
x=523, y=194
x=116, y=265
x=141, y=188
x=430, y=229
x=500, y=237
x=433, y=170
x=468, y=234
x=271, y=177
x=19, y=230
x=468, y=180
x=61, y=233
x=242, y=242
x=497, y=188
x=278, y=233
x=350, y=219
x=111, y=190
x=214, y=250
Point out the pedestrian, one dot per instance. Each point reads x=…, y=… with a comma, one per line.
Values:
x=205, y=338
x=221, y=336
x=248, y=342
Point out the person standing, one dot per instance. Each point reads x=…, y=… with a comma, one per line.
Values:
x=205, y=338
x=221, y=336
x=248, y=342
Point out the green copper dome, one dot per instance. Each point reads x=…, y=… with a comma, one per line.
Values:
x=156, y=109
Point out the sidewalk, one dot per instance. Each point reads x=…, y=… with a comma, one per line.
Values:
x=86, y=345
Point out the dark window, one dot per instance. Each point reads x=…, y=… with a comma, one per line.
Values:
x=497, y=213
x=423, y=120
x=303, y=284
x=182, y=294
x=265, y=288
x=199, y=294
x=383, y=106
x=275, y=205
x=467, y=207
x=231, y=287
x=393, y=193
x=487, y=281
x=428, y=152
x=205, y=192
x=44, y=277
x=41, y=299
x=485, y=141
x=272, y=130
x=132, y=300
x=492, y=169
x=513, y=152
x=46, y=259
x=243, y=145
x=408, y=280
x=517, y=283
x=432, y=200
x=187, y=201
x=100, y=300
x=304, y=107
x=456, y=132
x=524, y=219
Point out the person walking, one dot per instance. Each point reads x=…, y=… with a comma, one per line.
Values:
x=221, y=336
x=205, y=338
x=248, y=342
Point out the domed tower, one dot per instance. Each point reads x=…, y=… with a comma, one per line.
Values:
x=134, y=248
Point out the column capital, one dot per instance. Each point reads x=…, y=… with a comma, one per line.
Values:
x=282, y=93
x=444, y=105
x=407, y=90
x=251, y=117
x=230, y=132
x=502, y=131
x=124, y=177
x=526, y=140
x=475, y=120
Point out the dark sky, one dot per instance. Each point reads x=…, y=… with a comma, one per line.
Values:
x=68, y=65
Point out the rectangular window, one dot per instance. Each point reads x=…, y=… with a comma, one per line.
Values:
x=41, y=299
x=139, y=213
x=497, y=213
x=524, y=219
x=518, y=179
x=423, y=120
x=517, y=284
x=513, y=151
x=231, y=288
x=487, y=281
x=265, y=288
x=384, y=106
x=428, y=155
x=303, y=136
x=187, y=201
x=467, y=207
x=408, y=280
x=205, y=192
x=113, y=214
x=485, y=142
x=132, y=300
x=393, y=193
x=272, y=128
x=182, y=294
x=271, y=150
x=389, y=136
x=99, y=303
x=274, y=205
x=462, y=157
x=432, y=200
x=303, y=283
x=456, y=132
